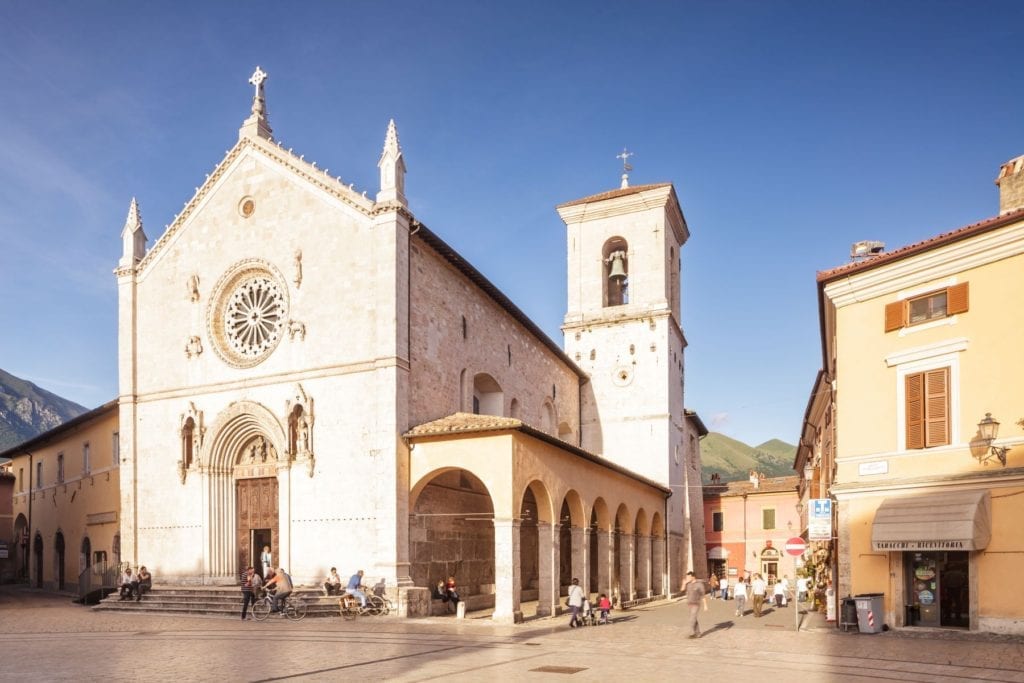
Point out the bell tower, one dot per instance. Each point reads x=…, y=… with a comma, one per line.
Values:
x=623, y=328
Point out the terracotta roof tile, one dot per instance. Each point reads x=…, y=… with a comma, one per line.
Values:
x=612, y=194
x=464, y=422
x=924, y=245
x=744, y=487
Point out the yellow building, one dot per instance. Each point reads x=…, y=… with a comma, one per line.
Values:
x=922, y=346
x=66, y=498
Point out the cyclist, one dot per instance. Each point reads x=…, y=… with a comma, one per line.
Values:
x=355, y=588
x=283, y=583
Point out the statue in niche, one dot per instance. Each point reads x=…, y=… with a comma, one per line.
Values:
x=194, y=347
x=298, y=268
x=300, y=428
x=193, y=288
x=191, y=432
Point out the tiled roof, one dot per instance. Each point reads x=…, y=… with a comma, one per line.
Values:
x=612, y=194
x=924, y=245
x=740, y=488
x=464, y=422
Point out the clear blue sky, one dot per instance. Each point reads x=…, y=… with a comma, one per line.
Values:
x=790, y=130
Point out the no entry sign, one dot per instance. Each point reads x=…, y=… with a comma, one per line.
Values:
x=796, y=546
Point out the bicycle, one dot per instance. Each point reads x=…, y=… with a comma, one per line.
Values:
x=350, y=608
x=294, y=607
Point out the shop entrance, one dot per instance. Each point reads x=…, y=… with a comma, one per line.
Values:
x=938, y=586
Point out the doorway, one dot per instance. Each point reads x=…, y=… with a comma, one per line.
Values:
x=939, y=590
x=257, y=520
x=59, y=548
x=37, y=548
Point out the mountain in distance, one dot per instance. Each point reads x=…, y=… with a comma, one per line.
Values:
x=26, y=410
x=732, y=460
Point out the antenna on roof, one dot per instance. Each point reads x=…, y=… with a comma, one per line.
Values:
x=865, y=249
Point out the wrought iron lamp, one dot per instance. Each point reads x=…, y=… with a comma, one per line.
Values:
x=989, y=430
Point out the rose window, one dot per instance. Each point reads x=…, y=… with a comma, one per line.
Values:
x=248, y=313
x=254, y=317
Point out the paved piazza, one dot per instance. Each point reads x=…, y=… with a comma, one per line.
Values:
x=48, y=638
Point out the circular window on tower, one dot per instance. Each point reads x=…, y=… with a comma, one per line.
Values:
x=246, y=207
x=248, y=312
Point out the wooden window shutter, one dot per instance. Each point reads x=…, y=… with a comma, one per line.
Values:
x=895, y=317
x=936, y=407
x=915, y=410
x=957, y=299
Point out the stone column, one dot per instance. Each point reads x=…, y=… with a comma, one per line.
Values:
x=605, y=545
x=626, y=559
x=506, y=572
x=580, y=559
x=548, y=570
x=659, y=569
x=284, y=515
x=643, y=563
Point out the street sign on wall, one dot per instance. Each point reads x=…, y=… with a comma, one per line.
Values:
x=819, y=519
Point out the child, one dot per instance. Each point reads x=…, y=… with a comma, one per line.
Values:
x=588, y=612
x=605, y=605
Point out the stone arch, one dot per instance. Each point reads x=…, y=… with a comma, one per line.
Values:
x=657, y=525
x=237, y=424
x=21, y=547
x=513, y=408
x=572, y=522
x=451, y=532
x=622, y=553
x=59, y=560
x=461, y=400
x=641, y=555
x=565, y=432
x=488, y=398
x=599, y=531
x=548, y=417
x=642, y=527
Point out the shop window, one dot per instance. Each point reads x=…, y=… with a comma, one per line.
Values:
x=935, y=305
x=717, y=521
x=768, y=518
x=927, y=408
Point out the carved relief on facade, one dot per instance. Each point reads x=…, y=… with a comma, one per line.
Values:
x=297, y=265
x=194, y=347
x=296, y=329
x=193, y=288
x=299, y=410
x=192, y=432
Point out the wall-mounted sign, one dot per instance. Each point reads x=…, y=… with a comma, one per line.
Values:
x=877, y=467
x=819, y=519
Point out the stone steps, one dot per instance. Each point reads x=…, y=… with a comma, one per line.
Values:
x=226, y=602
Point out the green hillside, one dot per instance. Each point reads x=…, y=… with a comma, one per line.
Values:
x=732, y=460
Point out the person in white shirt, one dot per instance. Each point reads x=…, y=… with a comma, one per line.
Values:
x=575, y=603
x=739, y=594
x=801, y=589
x=758, y=588
x=779, y=593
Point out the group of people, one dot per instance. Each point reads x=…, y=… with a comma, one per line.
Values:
x=581, y=609
x=759, y=588
x=134, y=584
x=448, y=593
x=279, y=584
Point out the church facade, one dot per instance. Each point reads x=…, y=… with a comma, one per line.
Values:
x=310, y=369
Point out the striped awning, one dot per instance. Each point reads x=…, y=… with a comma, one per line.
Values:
x=954, y=520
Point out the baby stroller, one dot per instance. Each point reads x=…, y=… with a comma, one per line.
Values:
x=587, y=615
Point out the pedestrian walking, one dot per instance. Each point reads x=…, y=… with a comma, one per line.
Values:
x=248, y=597
x=695, y=597
x=758, y=588
x=801, y=589
x=739, y=594
x=713, y=583
x=575, y=603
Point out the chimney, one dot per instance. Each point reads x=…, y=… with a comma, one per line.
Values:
x=1011, y=186
x=755, y=479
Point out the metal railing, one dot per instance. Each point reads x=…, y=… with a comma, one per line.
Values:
x=95, y=579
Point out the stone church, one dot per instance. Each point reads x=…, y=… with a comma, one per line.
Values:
x=314, y=370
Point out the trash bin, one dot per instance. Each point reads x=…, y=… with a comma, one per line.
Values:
x=848, y=613
x=870, y=612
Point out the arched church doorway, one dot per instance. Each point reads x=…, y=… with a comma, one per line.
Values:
x=451, y=533
x=58, y=547
x=37, y=548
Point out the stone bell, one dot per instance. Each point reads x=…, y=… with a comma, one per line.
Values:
x=618, y=269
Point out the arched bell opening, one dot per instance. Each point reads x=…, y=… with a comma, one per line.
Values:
x=615, y=264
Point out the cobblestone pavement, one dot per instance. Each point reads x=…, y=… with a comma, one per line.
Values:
x=48, y=638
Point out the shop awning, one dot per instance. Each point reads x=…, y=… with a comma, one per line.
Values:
x=718, y=553
x=956, y=520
